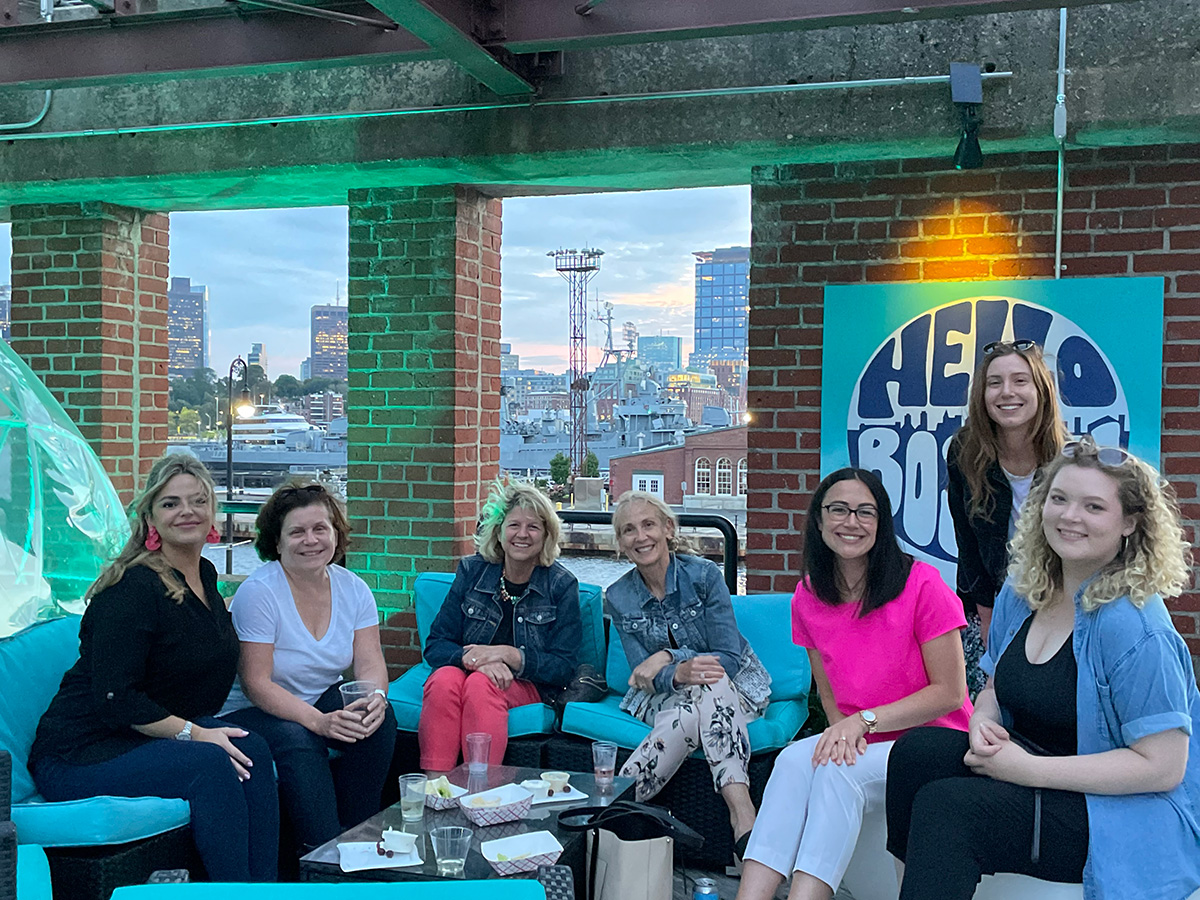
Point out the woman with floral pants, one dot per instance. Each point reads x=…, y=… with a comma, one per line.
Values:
x=695, y=679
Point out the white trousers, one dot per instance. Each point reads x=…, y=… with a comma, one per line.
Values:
x=810, y=817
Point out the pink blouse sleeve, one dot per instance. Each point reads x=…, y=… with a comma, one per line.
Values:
x=937, y=609
x=800, y=599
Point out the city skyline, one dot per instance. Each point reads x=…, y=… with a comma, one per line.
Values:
x=265, y=269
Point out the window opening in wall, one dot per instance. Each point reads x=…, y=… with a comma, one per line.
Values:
x=703, y=476
x=741, y=477
x=724, y=476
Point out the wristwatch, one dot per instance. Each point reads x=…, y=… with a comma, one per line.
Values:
x=869, y=719
x=185, y=734
x=381, y=692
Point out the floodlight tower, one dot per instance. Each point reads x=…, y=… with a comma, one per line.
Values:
x=578, y=267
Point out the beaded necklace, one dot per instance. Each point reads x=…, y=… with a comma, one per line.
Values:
x=505, y=595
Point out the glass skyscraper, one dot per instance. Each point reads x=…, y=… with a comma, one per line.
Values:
x=187, y=327
x=330, y=328
x=663, y=353
x=722, y=303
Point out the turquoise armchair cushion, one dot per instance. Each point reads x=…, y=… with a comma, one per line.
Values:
x=33, y=873
x=32, y=664
x=97, y=821
x=430, y=590
x=765, y=621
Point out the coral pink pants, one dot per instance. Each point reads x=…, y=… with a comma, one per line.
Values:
x=458, y=703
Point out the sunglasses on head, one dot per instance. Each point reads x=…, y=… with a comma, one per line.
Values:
x=1108, y=457
x=1020, y=346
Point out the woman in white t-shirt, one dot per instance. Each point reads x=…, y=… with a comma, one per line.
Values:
x=303, y=622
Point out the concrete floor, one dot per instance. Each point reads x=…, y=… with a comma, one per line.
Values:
x=727, y=888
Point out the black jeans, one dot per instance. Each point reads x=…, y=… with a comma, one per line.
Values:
x=235, y=823
x=322, y=796
x=950, y=826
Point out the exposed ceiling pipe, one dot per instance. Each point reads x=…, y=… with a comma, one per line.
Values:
x=502, y=104
x=1060, y=135
x=36, y=120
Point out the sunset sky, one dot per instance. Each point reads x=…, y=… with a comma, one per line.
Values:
x=265, y=268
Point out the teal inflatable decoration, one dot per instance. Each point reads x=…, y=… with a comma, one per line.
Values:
x=60, y=518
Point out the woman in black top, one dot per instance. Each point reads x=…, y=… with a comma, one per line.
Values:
x=1013, y=428
x=157, y=656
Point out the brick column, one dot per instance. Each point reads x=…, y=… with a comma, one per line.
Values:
x=424, y=405
x=89, y=316
x=1128, y=211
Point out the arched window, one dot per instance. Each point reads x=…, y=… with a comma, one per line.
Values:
x=703, y=476
x=741, y=481
x=724, y=476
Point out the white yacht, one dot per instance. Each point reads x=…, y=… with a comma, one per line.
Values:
x=270, y=426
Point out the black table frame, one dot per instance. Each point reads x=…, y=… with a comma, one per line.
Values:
x=321, y=865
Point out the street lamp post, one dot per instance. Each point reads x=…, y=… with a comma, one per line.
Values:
x=244, y=408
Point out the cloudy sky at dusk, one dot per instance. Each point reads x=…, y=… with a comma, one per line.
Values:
x=265, y=268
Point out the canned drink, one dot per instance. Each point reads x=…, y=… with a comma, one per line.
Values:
x=705, y=889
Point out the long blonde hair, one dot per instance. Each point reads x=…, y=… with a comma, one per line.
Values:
x=676, y=543
x=507, y=494
x=1155, y=559
x=135, y=553
x=979, y=443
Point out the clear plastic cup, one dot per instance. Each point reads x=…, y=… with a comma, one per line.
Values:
x=450, y=846
x=356, y=695
x=604, y=758
x=479, y=745
x=412, y=797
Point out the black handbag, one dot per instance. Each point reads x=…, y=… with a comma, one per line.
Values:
x=631, y=821
x=587, y=686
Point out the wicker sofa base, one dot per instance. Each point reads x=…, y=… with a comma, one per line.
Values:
x=689, y=795
x=93, y=873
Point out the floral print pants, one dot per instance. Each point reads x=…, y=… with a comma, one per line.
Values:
x=712, y=717
x=972, y=640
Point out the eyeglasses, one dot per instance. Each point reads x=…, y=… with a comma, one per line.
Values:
x=1109, y=457
x=1008, y=346
x=839, y=512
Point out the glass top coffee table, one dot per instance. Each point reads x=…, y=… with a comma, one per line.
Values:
x=323, y=864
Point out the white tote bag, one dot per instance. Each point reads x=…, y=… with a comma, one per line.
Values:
x=629, y=870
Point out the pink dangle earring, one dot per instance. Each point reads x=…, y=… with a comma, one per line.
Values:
x=153, y=539
x=214, y=536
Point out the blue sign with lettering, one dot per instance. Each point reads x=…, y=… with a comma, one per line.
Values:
x=898, y=359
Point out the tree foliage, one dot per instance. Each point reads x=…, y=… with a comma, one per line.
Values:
x=591, y=465
x=560, y=468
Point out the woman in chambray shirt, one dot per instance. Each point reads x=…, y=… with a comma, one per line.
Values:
x=1082, y=762
x=695, y=678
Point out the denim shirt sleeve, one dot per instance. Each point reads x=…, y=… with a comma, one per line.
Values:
x=720, y=624
x=555, y=663
x=444, y=646
x=1147, y=685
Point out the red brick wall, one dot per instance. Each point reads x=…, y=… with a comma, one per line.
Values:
x=424, y=405
x=677, y=464
x=1128, y=211
x=89, y=311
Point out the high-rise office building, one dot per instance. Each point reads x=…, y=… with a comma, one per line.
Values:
x=663, y=353
x=6, y=312
x=306, y=369
x=509, y=361
x=258, y=357
x=722, y=302
x=187, y=327
x=330, y=330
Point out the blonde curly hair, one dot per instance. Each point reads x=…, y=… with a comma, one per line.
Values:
x=505, y=495
x=1155, y=559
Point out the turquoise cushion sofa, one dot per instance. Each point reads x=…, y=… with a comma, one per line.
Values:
x=765, y=621
x=32, y=664
x=430, y=591
x=493, y=889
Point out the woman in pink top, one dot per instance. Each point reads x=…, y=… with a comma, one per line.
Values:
x=882, y=633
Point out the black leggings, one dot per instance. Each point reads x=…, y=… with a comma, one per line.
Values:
x=950, y=826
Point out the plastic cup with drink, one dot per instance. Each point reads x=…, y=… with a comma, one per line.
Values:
x=479, y=745
x=356, y=695
x=412, y=797
x=450, y=846
x=604, y=758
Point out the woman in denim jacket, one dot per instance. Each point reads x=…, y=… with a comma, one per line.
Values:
x=695, y=678
x=1082, y=762
x=508, y=632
